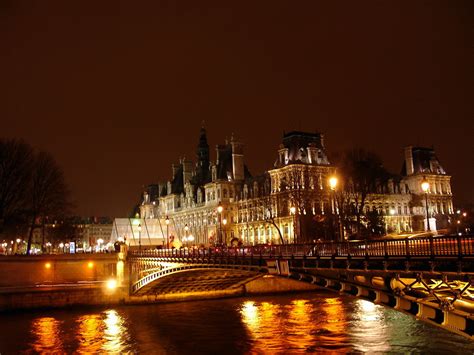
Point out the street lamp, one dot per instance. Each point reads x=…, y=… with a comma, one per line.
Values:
x=425, y=186
x=220, y=209
x=167, y=221
x=224, y=222
x=333, y=182
x=139, y=237
x=293, y=213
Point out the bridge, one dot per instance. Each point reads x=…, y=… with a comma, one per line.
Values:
x=430, y=278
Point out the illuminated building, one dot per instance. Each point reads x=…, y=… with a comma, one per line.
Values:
x=282, y=203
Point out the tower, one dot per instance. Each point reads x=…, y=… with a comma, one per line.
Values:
x=203, y=161
x=203, y=149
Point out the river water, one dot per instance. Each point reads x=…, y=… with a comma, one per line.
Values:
x=284, y=324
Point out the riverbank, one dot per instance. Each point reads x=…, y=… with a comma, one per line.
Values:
x=99, y=294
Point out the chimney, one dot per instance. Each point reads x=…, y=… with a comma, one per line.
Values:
x=409, y=160
x=217, y=154
x=237, y=159
x=174, y=168
x=187, y=170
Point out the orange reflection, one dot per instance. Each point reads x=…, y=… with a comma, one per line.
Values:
x=299, y=321
x=90, y=334
x=273, y=326
x=47, y=333
x=263, y=323
x=102, y=333
x=335, y=332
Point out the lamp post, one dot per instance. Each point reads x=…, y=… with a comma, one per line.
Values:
x=167, y=221
x=224, y=222
x=425, y=186
x=190, y=238
x=220, y=209
x=186, y=229
x=139, y=237
x=333, y=182
x=293, y=212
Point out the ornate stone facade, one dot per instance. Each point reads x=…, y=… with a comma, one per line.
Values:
x=277, y=206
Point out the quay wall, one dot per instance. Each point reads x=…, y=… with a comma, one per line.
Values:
x=27, y=271
x=59, y=298
x=273, y=284
x=54, y=281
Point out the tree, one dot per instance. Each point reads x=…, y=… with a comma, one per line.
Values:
x=375, y=223
x=270, y=208
x=16, y=161
x=296, y=187
x=32, y=187
x=362, y=173
x=48, y=193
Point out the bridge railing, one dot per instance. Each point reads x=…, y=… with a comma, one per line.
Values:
x=420, y=247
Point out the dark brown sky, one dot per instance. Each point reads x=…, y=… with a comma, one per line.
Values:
x=117, y=92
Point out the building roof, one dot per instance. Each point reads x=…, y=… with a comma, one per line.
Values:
x=297, y=144
x=424, y=161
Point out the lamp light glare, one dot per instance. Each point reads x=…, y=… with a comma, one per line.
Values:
x=333, y=182
x=425, y=186
x=112, y=284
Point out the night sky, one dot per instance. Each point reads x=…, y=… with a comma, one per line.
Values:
x=117, y=91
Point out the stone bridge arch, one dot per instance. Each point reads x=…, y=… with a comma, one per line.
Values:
x=186, y=278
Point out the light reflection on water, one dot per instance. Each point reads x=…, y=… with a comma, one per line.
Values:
x=90, y=333
x=314, y=322
x=46, y=331
x=104, y=332
x=369, y=327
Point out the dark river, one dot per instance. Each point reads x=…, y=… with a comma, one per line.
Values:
x=297, y=323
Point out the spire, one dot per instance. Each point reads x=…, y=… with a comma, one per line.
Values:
x=203, y=149
x=203, y=137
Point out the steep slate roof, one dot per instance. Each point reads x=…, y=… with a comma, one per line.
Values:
x=177, y=184
x=424, y=161
x=297, y=143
